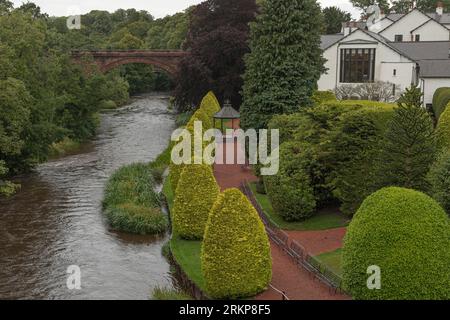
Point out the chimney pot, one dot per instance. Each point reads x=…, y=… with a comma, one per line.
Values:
x=440, y=8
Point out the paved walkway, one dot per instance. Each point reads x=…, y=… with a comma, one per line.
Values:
x=296, y=282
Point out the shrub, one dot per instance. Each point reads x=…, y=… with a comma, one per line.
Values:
x=131, y=184
x=290, y=190
x=137, y=219
x=196, y=192
x=235, y=256
x=174, y=175
x=107, y=105
x=406, y=234
x=439, y=180
x=441, y=99
x=210, y=105
x=373, y=91
x=443, y=130
x=183, y=118
x=319, y=97
x=201, y=115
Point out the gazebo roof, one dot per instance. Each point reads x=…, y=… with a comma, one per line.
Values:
x=227, y=112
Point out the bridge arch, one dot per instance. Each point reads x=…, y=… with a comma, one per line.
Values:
x=106, y=60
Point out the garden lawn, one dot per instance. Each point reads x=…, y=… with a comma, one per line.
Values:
x=332, y=260
x=322, y=220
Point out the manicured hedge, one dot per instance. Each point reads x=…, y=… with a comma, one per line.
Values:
x=443, y=129
x=201, y=115
x=210, y=105
x=136, y=219
x=196, y=193
x=236, y=260
x=439, y=180
x=407, y=235
x=290, y=190
x=441, y=99
x=320, y=97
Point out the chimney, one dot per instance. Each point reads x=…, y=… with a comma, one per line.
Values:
x=349, y=27
x=440, y=8
x=382, y=15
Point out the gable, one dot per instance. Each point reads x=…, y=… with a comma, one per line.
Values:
x=405, y=24
x=430, y=24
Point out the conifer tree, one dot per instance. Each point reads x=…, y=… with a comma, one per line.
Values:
x=285, y=62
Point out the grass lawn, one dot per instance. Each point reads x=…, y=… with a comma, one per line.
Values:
x=332, y=260
x=322, y=220
x=168, y=192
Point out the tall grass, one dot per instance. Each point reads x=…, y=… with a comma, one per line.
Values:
x=169, y=294
x=131, y=203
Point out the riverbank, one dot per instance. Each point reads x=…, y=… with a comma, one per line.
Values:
x=56, y=219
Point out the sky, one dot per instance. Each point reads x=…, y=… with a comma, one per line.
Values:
x=158, y=8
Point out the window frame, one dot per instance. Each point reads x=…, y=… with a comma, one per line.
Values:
x=398, y=36
x=356, y=63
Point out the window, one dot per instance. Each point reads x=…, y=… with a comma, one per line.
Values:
x=394, y=72
x=417, y=37
x=398, y=38
x=357, y=65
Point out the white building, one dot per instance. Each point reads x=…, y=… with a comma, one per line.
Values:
x=402, y=49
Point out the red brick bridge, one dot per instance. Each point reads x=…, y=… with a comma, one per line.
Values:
x=106, y=60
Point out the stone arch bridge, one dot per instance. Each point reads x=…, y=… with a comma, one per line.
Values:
x=162, y=60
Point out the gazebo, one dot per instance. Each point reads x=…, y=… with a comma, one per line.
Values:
x=228, y=113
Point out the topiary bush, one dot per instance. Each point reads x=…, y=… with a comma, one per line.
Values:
x=441, y=99
x=443, y=130
x=290, y=190
x=210, y=105
x=439, y=180
x=235, y=255
x=196, y=193
x=202, y=116
x=405, y=233
x=136, y=219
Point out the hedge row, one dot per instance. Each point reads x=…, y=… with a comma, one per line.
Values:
x=441, y=99
x=407, y=235
x=235, y=256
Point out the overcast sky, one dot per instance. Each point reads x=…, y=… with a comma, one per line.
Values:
x=158, y=8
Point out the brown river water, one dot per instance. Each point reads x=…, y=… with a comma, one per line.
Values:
x=56, y=219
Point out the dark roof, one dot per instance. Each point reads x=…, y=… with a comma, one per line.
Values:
x=444, y=18
x=433, y=57
x=328, y=40
x=227, y=112
x=425, y=50
x=434, y=68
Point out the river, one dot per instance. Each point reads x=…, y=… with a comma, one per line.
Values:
x=56, y=219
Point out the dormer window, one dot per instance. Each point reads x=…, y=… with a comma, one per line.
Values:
x=398, y=38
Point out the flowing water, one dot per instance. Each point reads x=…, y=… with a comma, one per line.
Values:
x=56, y=219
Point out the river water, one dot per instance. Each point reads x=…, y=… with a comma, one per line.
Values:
x=56, y=219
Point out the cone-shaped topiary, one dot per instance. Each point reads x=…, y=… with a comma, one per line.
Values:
x=236, y=260
x=407, y=235
x=195, y=195
x=210, y=105
x=202, y=116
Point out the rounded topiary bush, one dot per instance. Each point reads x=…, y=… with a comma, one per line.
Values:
x=210, y=105
x=236, y=260
x=290, y=190
x=439, y=180
x=407, y=235
x=443, y=130
x=196, y=193
x=136, y=219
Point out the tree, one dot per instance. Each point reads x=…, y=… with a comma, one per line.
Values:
x=427, y=6
x=285, y=62
x=364, y=4
x=410, y=144
x=217, y=41
x=5, y=6
x=235, y=254
x=334, y=17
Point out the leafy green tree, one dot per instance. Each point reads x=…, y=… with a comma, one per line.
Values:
x=5, y=6
x=410, y=144
x=364, y=4
x=285, y=62
x=334, y=17
x=427, y=6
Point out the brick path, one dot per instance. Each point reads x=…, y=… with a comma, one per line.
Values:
x=297, y=283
